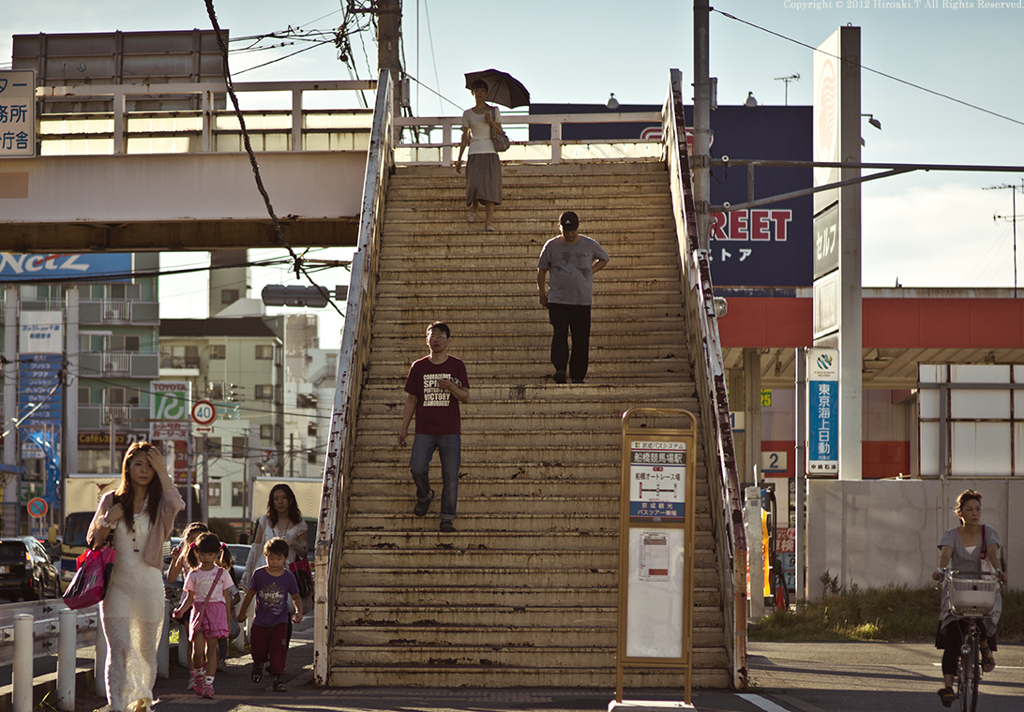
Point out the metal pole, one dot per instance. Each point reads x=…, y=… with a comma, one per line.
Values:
x=800, y=482
x=21, y=671
x=205, y=494
x=67, y=654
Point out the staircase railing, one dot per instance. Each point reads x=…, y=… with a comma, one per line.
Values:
x=709, y=376
x=352, y=362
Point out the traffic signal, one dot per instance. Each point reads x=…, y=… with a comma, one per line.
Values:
x=277, y=295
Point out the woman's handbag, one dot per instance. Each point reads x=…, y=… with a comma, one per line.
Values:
x=500, y=140
x=303, y=576
x=92, y=578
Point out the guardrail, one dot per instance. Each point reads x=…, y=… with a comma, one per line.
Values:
x=43, y=628
x=352, y=361
x=705, y=345
x=555, y=150
x=293, y=124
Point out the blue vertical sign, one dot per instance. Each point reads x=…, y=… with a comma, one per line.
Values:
x=822, y=411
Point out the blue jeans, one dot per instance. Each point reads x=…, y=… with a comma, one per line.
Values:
x=449, y=448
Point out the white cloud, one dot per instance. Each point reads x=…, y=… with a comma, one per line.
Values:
x=938, y=237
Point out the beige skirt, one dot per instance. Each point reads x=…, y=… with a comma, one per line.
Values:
x=483, y=178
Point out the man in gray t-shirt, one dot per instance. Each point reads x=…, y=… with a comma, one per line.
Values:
x=572, y=259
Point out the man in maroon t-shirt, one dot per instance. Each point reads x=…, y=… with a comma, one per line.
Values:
x=434, y=388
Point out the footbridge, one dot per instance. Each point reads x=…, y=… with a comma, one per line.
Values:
x=526, y=593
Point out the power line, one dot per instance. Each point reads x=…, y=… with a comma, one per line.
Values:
x=869, y=69
x=229, y=82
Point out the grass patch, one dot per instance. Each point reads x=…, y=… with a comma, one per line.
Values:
x=894, y=614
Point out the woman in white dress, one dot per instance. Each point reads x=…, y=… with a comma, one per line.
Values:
x=140, y=515
x=483, y=167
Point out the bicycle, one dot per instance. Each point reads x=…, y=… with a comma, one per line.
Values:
x=972, y=596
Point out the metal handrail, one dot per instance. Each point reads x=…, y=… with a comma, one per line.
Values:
x=706, y=349
x=352, y=360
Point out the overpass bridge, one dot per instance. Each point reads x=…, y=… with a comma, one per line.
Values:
x=526, y=594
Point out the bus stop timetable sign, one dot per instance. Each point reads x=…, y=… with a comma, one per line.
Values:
x=17, y=113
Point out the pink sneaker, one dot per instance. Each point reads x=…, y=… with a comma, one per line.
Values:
x=191, y=680
x=208, y=688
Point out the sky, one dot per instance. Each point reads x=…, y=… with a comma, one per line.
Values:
x=935, y=229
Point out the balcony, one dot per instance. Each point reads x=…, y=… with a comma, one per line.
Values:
x=121, y=364
x=98, y=417
x=119, y=311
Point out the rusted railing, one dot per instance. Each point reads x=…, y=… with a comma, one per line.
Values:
x=352, y=362
x=709, y=376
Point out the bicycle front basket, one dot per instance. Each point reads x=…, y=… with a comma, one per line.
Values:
x=973, y=595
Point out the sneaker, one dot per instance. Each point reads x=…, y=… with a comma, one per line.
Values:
x=278, y=684
x=491, y=228
x=560, y=377
x=200, y=680
x=222, y=666
x=257, y=672
x=447, y=526
x=422, y=508
x=208, y=688
x=947, y=696
x=470, y=216
x=191, y=680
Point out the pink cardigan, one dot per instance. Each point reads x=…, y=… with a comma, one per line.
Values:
x=152, y=553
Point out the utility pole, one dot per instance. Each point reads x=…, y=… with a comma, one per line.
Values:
x=389, y=33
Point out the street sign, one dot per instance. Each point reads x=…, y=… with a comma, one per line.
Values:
x=204, y=412
x=17, y=115
x=822, y=411
x=202, y=429
x=37, y=507
x=169, y=400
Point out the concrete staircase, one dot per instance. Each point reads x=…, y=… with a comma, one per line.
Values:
x=525, y=593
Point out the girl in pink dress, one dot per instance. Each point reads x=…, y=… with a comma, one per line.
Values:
x=207, y=589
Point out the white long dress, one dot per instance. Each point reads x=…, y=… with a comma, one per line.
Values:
x=132, y=613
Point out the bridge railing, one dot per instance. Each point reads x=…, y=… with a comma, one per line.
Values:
x=553, y=150
x=709, y=375
x=208, y=129
x=352, y=363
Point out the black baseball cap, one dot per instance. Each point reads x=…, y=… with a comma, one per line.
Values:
x=569, y=220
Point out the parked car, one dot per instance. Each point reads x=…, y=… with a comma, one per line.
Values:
x=240, y=554
x=26, y=570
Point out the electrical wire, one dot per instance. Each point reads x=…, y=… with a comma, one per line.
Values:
x=229, y=82
x=869, y=69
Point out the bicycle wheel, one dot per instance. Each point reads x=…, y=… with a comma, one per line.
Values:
x=967, y=676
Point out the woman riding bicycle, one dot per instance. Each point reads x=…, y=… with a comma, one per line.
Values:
x=972, y=547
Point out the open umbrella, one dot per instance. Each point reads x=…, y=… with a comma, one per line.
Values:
x=502, y=87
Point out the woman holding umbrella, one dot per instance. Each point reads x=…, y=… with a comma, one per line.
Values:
x=483, y=169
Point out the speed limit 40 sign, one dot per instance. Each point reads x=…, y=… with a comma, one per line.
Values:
x=204, y=412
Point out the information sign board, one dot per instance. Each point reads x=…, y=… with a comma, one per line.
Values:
x=17, y=113
x=822, y=411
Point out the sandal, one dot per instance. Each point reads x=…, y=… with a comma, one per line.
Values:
x=988, y=661
x=947, y=696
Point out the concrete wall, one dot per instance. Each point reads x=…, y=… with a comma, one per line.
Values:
x=876, y=533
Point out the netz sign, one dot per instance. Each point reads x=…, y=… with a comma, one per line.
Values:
x=15, y=267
